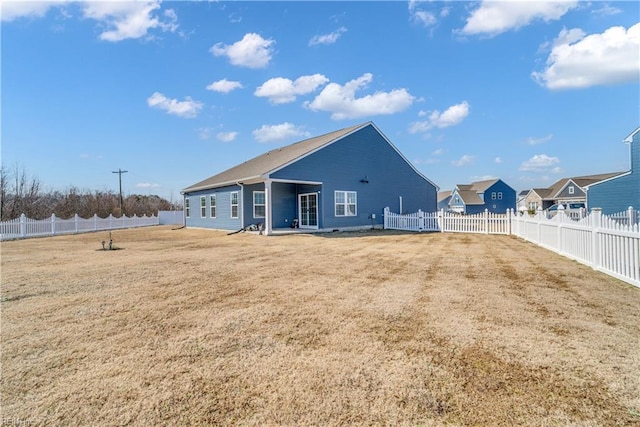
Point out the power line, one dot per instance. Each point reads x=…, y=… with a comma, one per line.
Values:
x=120, y=172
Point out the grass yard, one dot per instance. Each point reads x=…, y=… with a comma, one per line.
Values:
x=195, y=327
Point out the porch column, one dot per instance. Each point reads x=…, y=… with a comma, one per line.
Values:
x=268, y=223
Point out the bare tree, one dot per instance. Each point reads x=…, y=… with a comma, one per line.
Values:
x=22, y=194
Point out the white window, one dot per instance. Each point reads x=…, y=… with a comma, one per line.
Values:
x=346, y=203
x=187, y=210
x=203, y=207
x=499, y=195
x=571, y=189
x=259, y=206
x=234, y=204
x=212, y=206
x=493, y=195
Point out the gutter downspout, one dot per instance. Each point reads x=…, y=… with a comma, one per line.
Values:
x=184, y=211
x=241, y=185
x=267, y=215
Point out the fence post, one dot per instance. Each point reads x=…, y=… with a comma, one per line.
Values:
x=420, y=220
x=53, y=224
x=385, y=218
x=23, y=225
x=75, y=221
x=95, y=222
x=595, y=235
x=631, y=215
x=486, y=221
x=560, y=217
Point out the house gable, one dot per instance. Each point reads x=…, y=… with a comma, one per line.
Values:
x=570, y=190
x=364, y=162
x=494, y=195
x=619, y=192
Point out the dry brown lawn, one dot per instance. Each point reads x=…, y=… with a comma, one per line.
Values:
x=197, y=327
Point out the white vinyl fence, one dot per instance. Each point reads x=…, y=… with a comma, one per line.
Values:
x=603, y=242
x=24, y=227
x=171, y=217
x=607, y=243
x=486, y=222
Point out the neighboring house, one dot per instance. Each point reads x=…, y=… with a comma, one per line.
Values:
x=443, y=200
x=618, y=193
x=565, y=190
x=521, y=201
x=340, y=180
x=493, y=195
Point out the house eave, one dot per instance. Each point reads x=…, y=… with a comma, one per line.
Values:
x=629, y=138
x=586, y=187
x=247, y=180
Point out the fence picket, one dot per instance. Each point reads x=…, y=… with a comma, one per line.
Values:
x=607, y=243
x=23, y=227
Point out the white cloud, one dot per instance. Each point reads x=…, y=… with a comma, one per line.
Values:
x=495, y=17
x=539, y=162
x=120, y=19
x=497, y=160
x=463, y=161
x=342, y=103
x=606, y=10
x=187, y=108
x=129, y=20
x=451, y=116
x=598, y=59
x=420, y=16
x=147, y=185
x=537, y=141
x=224, y=86
x=281, y=91
x=204, y=133
x=252, y=51
x=477, y=178
x=273, y=133
x=226, y=136
x=26, y=9
x=330, y=38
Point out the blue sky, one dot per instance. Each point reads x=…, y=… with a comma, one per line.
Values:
x=174, y=92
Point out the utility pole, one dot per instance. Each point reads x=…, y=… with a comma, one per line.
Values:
x=120, y=172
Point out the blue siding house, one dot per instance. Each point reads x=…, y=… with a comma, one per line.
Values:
x=340, y=180
x=493, y=195
x=620, y=192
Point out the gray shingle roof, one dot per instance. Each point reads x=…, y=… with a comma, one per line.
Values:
x=271, y=160
x=470, y=197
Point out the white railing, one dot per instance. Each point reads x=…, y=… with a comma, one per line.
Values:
x=418, y=221
x=607, y=243
x=24, y=227
x=600, y=241
x=486, y=222
x=628, y=217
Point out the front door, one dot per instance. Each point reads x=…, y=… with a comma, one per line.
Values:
x=308, y=210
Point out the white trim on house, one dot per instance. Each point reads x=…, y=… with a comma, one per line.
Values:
x=264, y=204
x=346, y=203
x=586, y=187
x=317, y=216
x=203, y=206
x=213, y=206
x=237, y=204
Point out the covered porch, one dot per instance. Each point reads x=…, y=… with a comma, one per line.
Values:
x=289, y=205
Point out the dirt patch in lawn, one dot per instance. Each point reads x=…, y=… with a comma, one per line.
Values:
x=197, y=327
